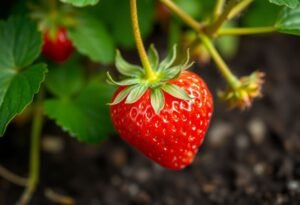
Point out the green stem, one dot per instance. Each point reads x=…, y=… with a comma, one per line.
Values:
x=239, y=8
x=246, y=31
x=218, y=8
x=150, y=74
x=213, y=28
x=183, y=15
x=34, y=166
x=231, y=79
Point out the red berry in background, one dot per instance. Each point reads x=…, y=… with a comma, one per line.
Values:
x=58, y=46
x=172, y=137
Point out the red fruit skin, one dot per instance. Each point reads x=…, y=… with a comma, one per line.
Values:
x=173, y=137
x=59, y=48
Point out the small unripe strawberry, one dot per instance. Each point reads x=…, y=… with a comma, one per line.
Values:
x=57, y=45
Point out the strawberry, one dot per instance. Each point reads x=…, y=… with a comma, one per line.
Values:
x=165, y=119
x=57, y=46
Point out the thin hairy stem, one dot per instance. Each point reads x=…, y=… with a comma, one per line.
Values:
x=150, y=75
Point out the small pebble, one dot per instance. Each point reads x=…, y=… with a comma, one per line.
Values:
x=260, y=169
x=218, y=133
x=208, y=188
x=142, y=198
x=257, y=129
x=133, y=189
x=142, y=175
x=116, y=180
x=118, y=157
x=242, y=141
x=52, y=144
x=293, y=185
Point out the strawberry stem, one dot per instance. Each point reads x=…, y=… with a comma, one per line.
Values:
x=213, y=28
x=231, y=79
x=246, y=31
x=219, y=5
x=183, y=15
x=239, y=7
x=34, y=166
x=150, y=74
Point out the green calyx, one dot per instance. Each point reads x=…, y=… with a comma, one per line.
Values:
x=242, y=96
x=137, y=84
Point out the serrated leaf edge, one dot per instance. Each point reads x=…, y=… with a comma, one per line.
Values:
x=31, y=100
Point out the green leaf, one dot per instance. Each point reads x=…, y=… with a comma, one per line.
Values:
x=157, y=100
x=65, y=80
x=91, y=38
x=126, y=68
x=153, y=57
x=86, y=116
x=289, y=3
x=20, y=45
x=116, y=14
x=289, y=21
x=17, y=91
x=136, y=93
x=81, y=3
x=175, y=91
x=192, y=7
x=260, y=13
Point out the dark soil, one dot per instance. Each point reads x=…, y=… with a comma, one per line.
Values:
x=250, y=157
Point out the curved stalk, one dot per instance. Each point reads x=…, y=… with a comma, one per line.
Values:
x=12, y=177
x=34, y=166
x=231, y=79
x=150, y=75
x=182, y=14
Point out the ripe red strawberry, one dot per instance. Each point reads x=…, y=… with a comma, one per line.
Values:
x=161, y=121
x=57, y=46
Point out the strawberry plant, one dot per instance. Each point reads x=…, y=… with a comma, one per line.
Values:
x=56, y=59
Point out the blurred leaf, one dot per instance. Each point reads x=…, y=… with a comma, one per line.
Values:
x=85, y=116
x=260, y=13
x=65, y=80
x=118, y=19
x=228, y=45
x=192, y=7
x=289, y=3
x=289, y=21
x=20, y=45
x=91, y=38
x=81, y=3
